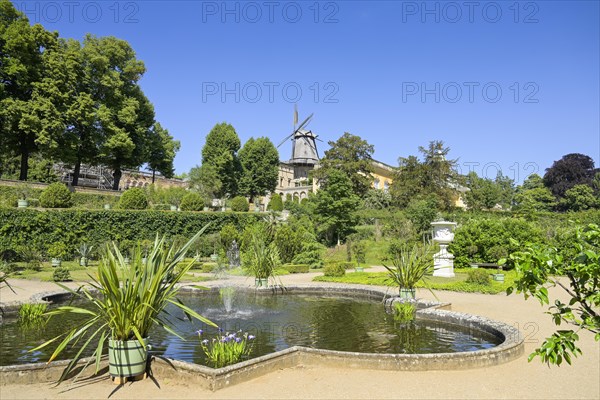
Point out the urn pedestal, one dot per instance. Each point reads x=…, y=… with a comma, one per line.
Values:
x=443, y=261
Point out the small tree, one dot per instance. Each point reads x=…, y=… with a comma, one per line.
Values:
x=192, y=201
x=538, y=267
x=276, y=203
x=56, y=195
x=134, y=199
x=240, y=204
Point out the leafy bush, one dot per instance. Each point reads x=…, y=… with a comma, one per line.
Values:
x=161, y=207
x=311, y=253
x=479, y=277
x=296, y=268
x=289, y=243
x=209, y=267
x=276, y=203
x=134, y=199
x=228, y=234
x=334, y=270
x=61, y=274
x=58, y=250
x=482, y=240
x=34, y=203
x=421, y=213
x=56, y=195
x=192, y=201
x=93, y=201
x=239, y=204
x=9, y=268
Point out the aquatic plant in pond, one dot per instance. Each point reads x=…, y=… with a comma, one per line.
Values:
x=404, y=311
x=226, y=348
x=32, y=313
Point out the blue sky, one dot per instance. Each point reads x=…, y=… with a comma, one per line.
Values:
x=509, y=85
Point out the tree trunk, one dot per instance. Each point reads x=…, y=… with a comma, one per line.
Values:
x=76, y=172
x=24, y=162
x=117, y=178
x=153, y=175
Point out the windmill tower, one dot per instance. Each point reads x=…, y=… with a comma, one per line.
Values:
x=305, y=155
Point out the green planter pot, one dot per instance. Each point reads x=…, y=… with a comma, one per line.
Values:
x=83, y=261
x=173, y=208
x=22, y=203
x=408, y=293
x=261, y=282
x=56, y=262
x=498, y=277
x=127, y=358
x=107, y=206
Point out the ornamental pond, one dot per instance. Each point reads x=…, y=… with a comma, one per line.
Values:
x=321, y=321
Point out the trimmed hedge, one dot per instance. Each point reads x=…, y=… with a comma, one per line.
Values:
x=239, y=203
x=134, y=199
x=296, y=268
x=192, y=202
x=334, y=270
x=39, y=229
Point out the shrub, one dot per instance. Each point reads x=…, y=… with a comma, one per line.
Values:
x=192, y=201
x=228, y=234
x=479, y=277
x=34, y=202
x=335, y=270
x=289, y=243
x=61, y=274
x=276, y=203
x=239, y=204
x=58, y=250
x=134, y=199
x=56, y=195
x=209, y=267
x=161, y=207
x=360, y=251
x=296, y=268
x=311, y=253
x=9, y=268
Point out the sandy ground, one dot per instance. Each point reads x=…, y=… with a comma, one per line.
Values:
x=515, y=380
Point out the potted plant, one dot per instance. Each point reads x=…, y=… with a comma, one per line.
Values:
x=261, y=260
x=126, y=302
x=410, y=265
x=85, y=250
x=58, y=252
x=499, y=276
x=24, y=192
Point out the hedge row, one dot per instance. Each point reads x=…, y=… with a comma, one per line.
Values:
x=39, y=229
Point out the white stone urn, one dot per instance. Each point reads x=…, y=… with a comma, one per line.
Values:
x=443, y=262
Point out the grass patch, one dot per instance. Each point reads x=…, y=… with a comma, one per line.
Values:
x=375, y=251
x=456, y=284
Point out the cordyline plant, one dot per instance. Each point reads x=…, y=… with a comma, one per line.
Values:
x=574, y=268
x=127, y=299
x=410, y=265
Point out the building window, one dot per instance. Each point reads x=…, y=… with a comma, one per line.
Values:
x=376, y=183
x=386, y=186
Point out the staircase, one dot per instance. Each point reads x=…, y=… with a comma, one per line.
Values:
x=89, y=176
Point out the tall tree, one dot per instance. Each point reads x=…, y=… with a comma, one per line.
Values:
x=220, y=152
x=335, y=207
x=161, y=151
x=260, y=167
x=205, y=180
x=483, y=193
x=22, y=47
x=572, y=169
x=124, y=113
x=433, y=177
x=351, y=155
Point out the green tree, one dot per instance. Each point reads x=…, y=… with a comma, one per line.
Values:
x=483, y=193
x=335, y=207
x=579, y=198
x=161, y=151
x=260, y=167
x=206, y=181
x=22, y=67
x=506, y=190
x=536, y=199
x=351, y=155
x=434, y=177
x=533, y=181
x=220, y=152
x=539, y=266
x=289, y=242
x=275, y=204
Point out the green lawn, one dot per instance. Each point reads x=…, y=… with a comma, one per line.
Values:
x=456, y=284
x=376, y=253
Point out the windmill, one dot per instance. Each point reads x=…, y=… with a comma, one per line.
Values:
x=304, y=147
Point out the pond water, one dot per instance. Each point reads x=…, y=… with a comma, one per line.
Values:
x=277, y=321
